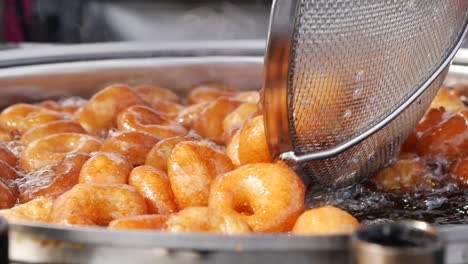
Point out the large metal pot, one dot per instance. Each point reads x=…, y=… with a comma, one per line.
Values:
x=40, y=243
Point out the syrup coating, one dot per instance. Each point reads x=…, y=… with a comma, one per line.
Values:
x=8, y=174
x=96, y=204
x=144, y=119
x=52, y=149
x=206, y=219
x=449, y=138
x=448, y=99
x=158, y=155
x=7, y=197
x=238, y=117
x=105, y=168
x=55, y=127
x=133, y=145
x=268, y=196
x=154, y=186
x=19, y=118
x=209, y=123
x=7, y=156
x=36, y=210
x=189, y=115
x=191, y=168
x=253, y=147
x=209, y=92
x=154, y=94
x=52, y=180
x=99, y=114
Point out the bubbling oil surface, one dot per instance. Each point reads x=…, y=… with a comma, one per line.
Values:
x=440, y=195
x=441, y=206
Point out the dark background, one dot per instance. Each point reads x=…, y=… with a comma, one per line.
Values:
x=79, y=21
x=84, y=21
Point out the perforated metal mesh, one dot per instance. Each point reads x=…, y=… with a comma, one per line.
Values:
x=375, y=152
x=354, y=62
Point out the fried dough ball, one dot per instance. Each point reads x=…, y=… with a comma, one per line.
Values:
x=68, y=105
x=16, y=147
x=36, y=210
x=168, y=110
x=7, y=173
x=463, y=112
x=158, y=155
x=190, y=114
x=154, y=94
x=206, y=219
x=131, y=144
x=55, y=127
x=52, y=180
x=429, y=120
x=154, y=222
x=51, y=105
x=7, y=156
x=7, y=197
x=37, y=120
x=449, y=138
x=99, y=114
x=153, y=185
x=209, y=123
x=191, y=168
x=96, y=204
x=404, y=175
x=5, y=135
x=232, y=149
x=19, y=118
x=248, y=97
x=448, y=99
x=52, y=149
x=459, y=171
x=237, y=118
x=144, y=119
x=105, y=168
x=253, y=147
x=327, y=220
x=209, y=92
x=268, y=196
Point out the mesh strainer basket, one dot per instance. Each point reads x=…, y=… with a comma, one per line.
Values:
x=347, y=80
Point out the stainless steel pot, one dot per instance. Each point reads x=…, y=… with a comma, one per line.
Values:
x=40, y=243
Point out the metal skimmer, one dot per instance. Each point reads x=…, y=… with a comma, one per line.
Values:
x=347, y=80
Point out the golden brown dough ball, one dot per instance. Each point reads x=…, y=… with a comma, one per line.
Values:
x=253, y=147
x=133, y=145
x=404, y=175
x=209, y=92
x=36, y=210
x=209, y=123
x=155, y=222
x=99, y=114
x=268, y=196
x=96, y=204
x=158, y=155
x=206, y=219
x=327, y=220
x=154, y=186
x=191, y=168
x=7, y=197
x=52, y=180
x=105, y=168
